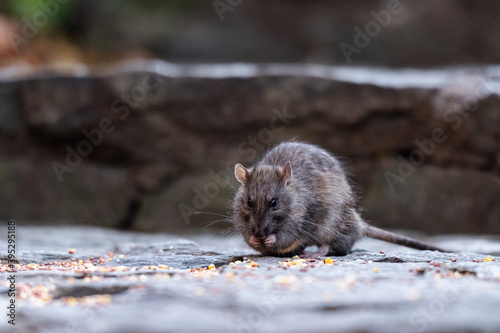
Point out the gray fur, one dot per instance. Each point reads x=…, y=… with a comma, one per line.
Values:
x=315, y=204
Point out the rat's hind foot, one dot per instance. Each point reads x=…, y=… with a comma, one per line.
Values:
x=320, y=252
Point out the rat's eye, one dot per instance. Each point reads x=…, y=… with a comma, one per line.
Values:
x=250, y=203
x=273, y=202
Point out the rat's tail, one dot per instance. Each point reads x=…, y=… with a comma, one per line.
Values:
x=377, y=233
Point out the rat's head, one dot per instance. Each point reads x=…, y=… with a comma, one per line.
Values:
x=262, y=209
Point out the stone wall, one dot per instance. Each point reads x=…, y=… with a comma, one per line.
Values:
x=146, y=144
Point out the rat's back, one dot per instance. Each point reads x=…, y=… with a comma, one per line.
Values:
x=308, y=161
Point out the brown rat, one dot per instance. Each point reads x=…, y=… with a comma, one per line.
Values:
x=298, y=196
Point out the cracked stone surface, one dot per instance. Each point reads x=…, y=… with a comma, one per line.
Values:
x=167, y=283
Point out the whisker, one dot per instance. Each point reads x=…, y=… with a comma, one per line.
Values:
x=211, y=223
x=229, y=232
x=210, y=213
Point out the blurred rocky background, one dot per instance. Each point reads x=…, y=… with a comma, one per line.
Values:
x=411, y=33
x=132, y=114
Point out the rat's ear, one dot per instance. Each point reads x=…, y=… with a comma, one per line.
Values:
x=241, y=173
x=287, y=172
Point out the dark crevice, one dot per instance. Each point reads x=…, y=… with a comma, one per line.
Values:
x=128, y=221
x=374, y=116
